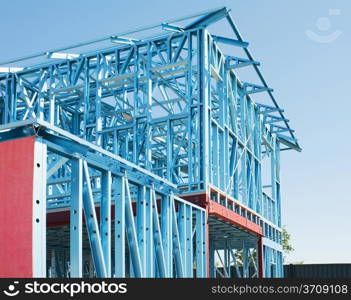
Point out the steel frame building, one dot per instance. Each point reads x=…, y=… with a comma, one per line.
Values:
x=142, y=158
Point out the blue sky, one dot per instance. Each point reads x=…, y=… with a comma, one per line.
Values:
x=310, y=81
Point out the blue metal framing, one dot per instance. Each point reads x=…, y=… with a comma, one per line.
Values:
x=148, y=222
x=172, y=106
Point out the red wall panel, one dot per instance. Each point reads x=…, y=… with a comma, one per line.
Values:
x=16, y=190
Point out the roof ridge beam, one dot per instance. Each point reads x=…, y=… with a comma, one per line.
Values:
x=208, y=19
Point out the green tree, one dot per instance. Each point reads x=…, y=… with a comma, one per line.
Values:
x=287, y=247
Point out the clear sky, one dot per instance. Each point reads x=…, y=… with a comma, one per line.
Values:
x=304, y=48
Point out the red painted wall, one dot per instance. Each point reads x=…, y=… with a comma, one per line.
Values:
x=16, y=190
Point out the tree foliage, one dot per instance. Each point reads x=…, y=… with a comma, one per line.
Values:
x=286, y=243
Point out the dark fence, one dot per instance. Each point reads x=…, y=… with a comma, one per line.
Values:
x=317, y=271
